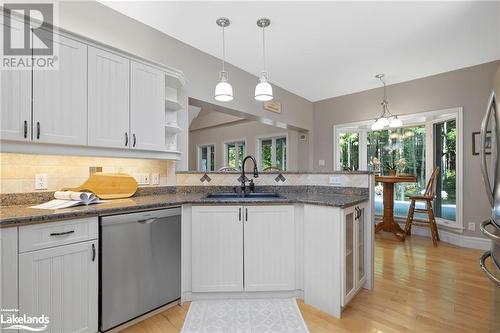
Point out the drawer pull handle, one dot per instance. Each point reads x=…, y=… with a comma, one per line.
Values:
x=62, y=233
x=147, y=221
x=488, y=234
x=38, y=130
x=135, y=140
x=93, y=252
x=25, y=129
x=126, y=139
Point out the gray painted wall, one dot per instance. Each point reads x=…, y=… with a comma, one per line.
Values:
x=469, y=88
x=96, y=21
x=249, y=131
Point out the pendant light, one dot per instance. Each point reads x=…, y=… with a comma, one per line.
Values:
x=263, y=90
x=386, y=118
x=223, y=90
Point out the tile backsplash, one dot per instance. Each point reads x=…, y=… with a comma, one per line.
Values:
x=17, y=171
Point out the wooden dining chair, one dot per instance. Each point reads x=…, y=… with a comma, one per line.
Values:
x=428, y=197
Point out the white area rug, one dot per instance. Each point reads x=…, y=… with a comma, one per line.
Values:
x=244, y=316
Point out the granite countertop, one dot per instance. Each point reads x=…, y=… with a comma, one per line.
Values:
x=16, y=215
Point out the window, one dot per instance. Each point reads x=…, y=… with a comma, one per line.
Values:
x=234, y=154
x=391, y=145
x=429, y=139
x=349, y=151
x=206, y=158
x=273, y=153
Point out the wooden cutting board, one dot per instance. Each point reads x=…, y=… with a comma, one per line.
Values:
x=109, y=185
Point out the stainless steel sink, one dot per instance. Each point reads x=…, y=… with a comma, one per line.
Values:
x=238, y=196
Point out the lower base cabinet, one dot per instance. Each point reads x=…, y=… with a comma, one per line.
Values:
x=61, y=283
x=243, y=248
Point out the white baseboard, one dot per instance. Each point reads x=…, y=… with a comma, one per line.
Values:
x=453, y=238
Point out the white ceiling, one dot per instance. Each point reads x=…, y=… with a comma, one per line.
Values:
x=324, y=49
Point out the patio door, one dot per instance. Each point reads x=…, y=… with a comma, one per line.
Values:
x=445, y=156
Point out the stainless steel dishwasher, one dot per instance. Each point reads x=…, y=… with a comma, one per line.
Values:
x=140, y=266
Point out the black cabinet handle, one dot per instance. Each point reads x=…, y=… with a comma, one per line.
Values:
x=246, y=214
x=239, y=214
x=93, y=252
x=25, y=129
x=126, y=139
x=62, y=233
x=135, y=140
x=38, y=130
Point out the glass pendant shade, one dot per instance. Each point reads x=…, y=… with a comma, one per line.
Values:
x=223, y=90
x=383, y=122
x=263, y=90
x=395, y=122
x=377, y=125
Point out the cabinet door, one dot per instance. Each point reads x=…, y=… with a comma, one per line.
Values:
x=217, y=250
x=147, y=107
x=60, y=96
x=269, y=248
x=8, y=273
x=360, y=246
x=15, y=101
x=348, y=242
x=108, y=99
x=61, y=283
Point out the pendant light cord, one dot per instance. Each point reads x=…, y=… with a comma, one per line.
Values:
x=223, y=49
x=264, y=47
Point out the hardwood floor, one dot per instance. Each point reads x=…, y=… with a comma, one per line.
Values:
x=418, y=288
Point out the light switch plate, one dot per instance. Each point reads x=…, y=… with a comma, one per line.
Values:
x=41, y=181
x=472, y=226
x=155, y=178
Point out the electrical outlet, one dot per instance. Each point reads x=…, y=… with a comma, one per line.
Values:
x=41, y=181
x=472, y=226
x=321, y=162
x=141, y=178
x=155, y=178
x=335, y=180
x=146, y=179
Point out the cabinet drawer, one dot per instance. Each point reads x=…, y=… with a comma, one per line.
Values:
x=45, y=235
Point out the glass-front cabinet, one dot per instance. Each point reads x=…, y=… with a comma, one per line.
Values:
x=353, y=256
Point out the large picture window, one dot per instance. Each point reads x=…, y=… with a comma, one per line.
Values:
x=427, y=140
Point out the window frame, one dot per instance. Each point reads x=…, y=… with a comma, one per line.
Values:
x=273, y=138
x=428, y=118
x=198, y=162
x=225, y=145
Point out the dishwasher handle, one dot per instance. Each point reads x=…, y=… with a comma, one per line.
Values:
x=147, y=221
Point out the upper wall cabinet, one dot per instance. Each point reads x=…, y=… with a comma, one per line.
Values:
x=147, y=113
x=15, y=103
x=108, y=98
x=60, y=96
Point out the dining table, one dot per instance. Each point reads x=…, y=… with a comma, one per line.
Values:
x=388, y=224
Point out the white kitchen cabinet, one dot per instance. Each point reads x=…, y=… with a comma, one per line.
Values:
x=353, y=251
x=243, y=248
x=8, y=273
x=217, y=248
x=60, y=96
x=15, y=101
x=269, y=233
x=61, y=283
x=108, y=99
x=147, y=107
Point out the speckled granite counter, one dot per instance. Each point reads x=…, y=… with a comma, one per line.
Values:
x=14, y=215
